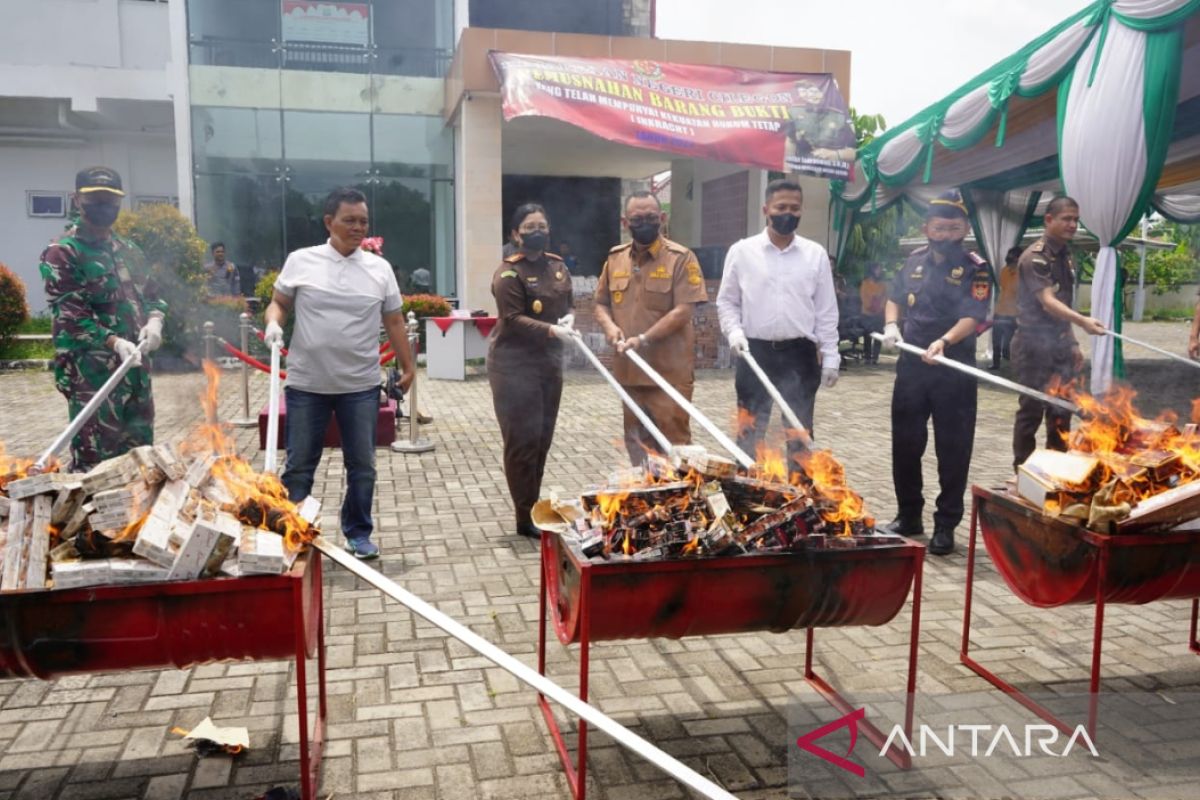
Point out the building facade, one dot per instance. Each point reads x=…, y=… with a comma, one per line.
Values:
x=245, y=113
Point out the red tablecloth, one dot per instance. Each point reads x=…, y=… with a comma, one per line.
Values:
x=483, y=324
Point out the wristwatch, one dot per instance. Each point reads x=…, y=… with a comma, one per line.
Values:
x=642, y=340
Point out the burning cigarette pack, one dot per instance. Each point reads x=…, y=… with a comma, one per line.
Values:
x=39, y=484
x=261, y=553
x=77, y=574
x=1053, y=480
x=713, y=466
x=200, y=471
x=111, y=474
x=126, y=571
x=4, y=505
x=205, y=546
x=167, y=460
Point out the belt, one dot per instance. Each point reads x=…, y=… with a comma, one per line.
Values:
x=785, y=344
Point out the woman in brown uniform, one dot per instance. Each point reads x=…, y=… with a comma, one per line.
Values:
x=533, y=292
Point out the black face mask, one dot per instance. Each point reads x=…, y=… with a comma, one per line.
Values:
x=947, y=247
x=645, y=233
x=102, y=215
x=534, y=242
x=784, y=224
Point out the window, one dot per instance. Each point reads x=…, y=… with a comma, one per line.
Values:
x=46, y=204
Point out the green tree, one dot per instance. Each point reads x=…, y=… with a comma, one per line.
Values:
x=875, y=238
x=14, y=311
x=176, y=255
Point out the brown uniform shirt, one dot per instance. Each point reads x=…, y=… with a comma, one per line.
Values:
x=530, y=297
x=640, y=287
x=1045, y=264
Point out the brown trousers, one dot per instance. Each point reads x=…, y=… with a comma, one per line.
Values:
x=664, y=412
x=1038, y=360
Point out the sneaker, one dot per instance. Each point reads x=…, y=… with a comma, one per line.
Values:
x=363, y=549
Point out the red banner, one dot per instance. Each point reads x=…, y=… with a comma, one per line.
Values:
x=795, y=122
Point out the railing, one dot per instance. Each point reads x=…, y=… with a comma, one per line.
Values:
x=425, y=62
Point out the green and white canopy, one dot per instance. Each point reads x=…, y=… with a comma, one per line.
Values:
x=1104, y=106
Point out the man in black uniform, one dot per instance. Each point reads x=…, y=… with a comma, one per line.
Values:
x=1044, y=350
x=942, y=293
x=533, y=301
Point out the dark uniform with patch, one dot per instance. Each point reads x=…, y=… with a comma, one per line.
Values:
x=640, y=286
x=524, y=366
x=1044, y=350
x=933, y=298
x=98, y=289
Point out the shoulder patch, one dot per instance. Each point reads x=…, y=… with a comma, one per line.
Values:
x=674, y=247
x=514, y=258
x=976, y=258
x=621, y=247
x=509, y=273
x=920, y=251
x=1038, y=246
x=553, y=256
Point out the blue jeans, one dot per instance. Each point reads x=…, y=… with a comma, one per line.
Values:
x=357, y=415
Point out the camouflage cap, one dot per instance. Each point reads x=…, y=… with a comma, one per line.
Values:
x=98, y=179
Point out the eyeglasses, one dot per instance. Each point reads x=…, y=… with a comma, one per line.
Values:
x=534, y=229
x=649, y=219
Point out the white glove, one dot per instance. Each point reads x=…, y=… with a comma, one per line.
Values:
x=568, y=321
x=829, y=377
x=273, y=335
x=738, y=343
x=125, y=348
x=891, y=336
x=151, y=333
x=562, y=332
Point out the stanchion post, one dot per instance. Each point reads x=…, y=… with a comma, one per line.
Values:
x=213, y=416
x=245, y=420
x=414, y=443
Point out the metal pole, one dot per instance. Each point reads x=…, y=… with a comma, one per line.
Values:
x=1148, y=346
x=245, y=421
x=271, y=451
x=208, y=341
x=86, y=412
x=663, y=443
x=793, y=420
x=718, y=434
x=525, y=674
x=986, y=377
x=1139, y=299
x=414, y=443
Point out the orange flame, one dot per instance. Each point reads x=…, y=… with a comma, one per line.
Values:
x=840, y=503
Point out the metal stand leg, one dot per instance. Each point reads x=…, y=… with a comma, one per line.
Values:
x=245, y=420
x=1193, y=644
x=1099, y=572
x=576, y=770
x=414, y=443
x=311, y=747
x=895, y=753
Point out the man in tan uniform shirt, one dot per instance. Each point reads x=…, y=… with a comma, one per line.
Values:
x=644, y=301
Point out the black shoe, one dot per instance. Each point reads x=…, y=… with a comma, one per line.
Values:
x=942, y=541
x=903, y=527
x=529, y=529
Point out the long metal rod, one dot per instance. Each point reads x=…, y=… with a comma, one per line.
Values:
x=663, y=443
x=1149, y=346
x=87, y=411
x=525, y=674
x=995, y=380
x=693, y=412
x=271, y=451
x=788, y=413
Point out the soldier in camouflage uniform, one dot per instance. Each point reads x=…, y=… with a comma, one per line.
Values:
x=102, y=296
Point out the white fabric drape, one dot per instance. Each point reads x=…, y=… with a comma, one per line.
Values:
x=1000, y=218
x=967, y=113
x=1179, y=207
x=1052, y=57
x=898, y=153
x=1104, y=171
x=1148, y=9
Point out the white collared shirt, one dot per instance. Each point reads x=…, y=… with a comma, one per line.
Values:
x=338, y=302
x=776, y=295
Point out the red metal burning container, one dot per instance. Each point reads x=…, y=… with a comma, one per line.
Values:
x=815, y=588
x=47, y=634
x=1048, y=563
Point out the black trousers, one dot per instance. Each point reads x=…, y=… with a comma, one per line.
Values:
x=795, y=369
x=526, y=401
x=871, y=345
x=1039, y=360
x=1003, y=330
x=923, y=391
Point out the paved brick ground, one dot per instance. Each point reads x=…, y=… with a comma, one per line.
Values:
x=414, y=715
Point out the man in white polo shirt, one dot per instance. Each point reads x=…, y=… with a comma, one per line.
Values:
x=777, y=300
x=340, y=294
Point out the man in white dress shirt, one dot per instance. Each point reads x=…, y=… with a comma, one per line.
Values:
x=340, y=295
x=777, y=301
